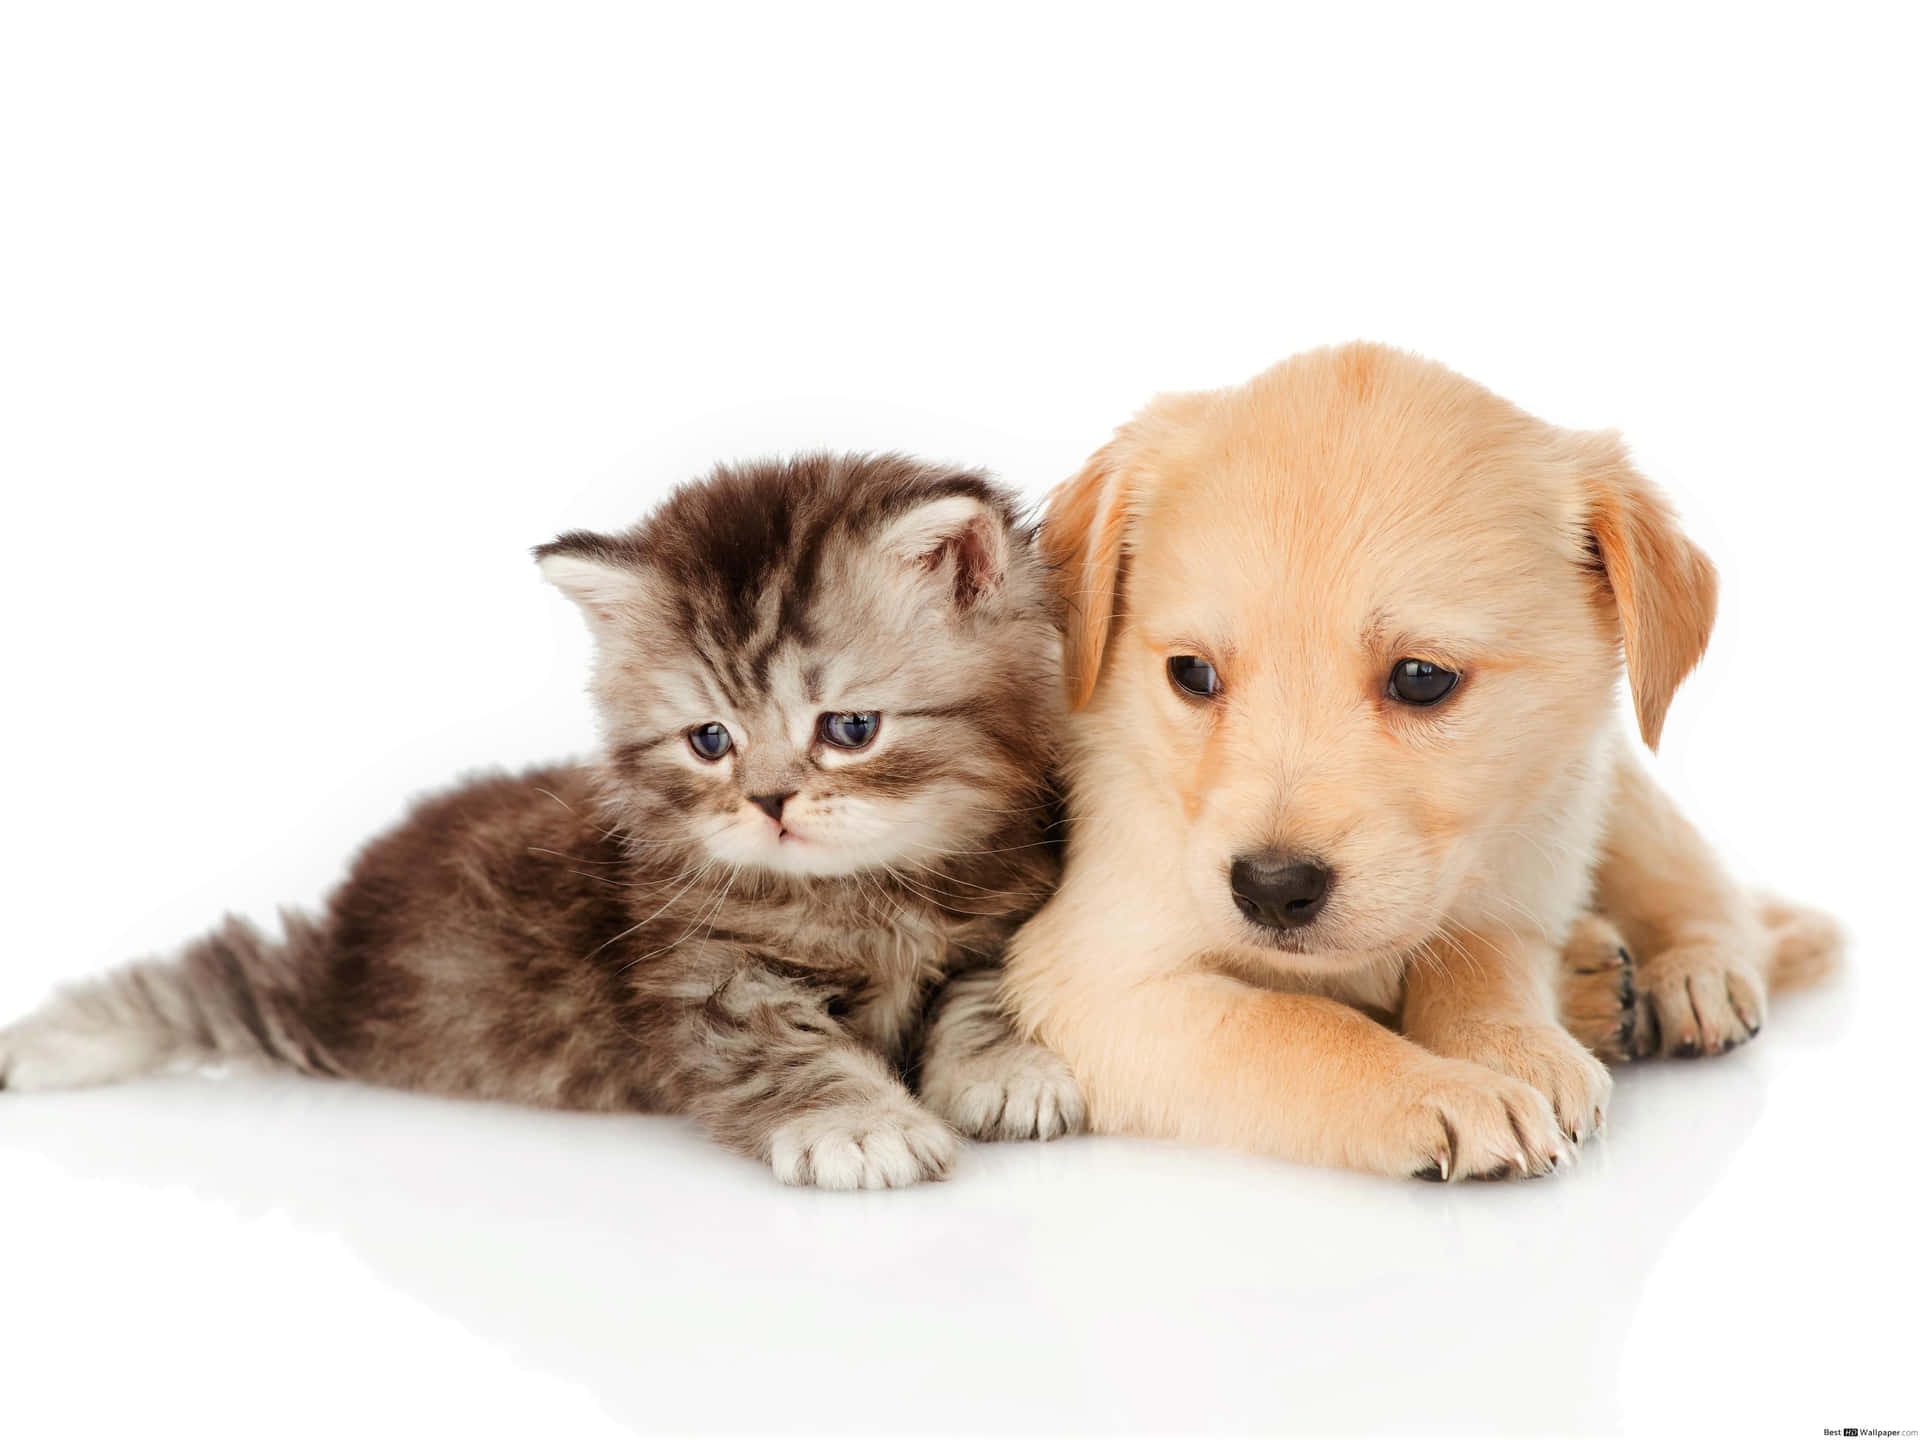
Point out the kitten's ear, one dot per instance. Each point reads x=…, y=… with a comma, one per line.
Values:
x=1664, y=588
x=961, y=539
x=594, y=572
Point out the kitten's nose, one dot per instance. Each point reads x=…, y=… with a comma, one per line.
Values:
x=1282, y=891
x=773, y=804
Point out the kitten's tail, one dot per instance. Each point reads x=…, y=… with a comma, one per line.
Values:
x=232, y=995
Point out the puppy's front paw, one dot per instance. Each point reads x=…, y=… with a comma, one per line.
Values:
x=872, y=1145
x=1700, y=998
x=1011, y=1090
x=1550, y=1060
x=1457, y=1121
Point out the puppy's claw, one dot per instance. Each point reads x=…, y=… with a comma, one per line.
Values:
x=1599, y=998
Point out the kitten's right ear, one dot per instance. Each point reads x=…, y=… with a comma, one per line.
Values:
x=592, y=571
x=1082, y=536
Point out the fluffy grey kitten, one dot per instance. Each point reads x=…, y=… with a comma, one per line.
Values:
x=827, y=691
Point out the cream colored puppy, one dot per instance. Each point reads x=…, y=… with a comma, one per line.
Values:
x=1344, y=644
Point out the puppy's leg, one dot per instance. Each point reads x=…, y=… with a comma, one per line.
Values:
x=1603, y=1006
x=1494, y=1002
x=1699, y=947
x=1204, y=1058
x=985, y=1079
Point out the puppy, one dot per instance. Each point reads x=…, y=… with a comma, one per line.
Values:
x=1343, y=648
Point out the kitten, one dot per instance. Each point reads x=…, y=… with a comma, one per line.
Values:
x=828, y=691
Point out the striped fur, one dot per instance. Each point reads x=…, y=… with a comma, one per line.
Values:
x=638, y=933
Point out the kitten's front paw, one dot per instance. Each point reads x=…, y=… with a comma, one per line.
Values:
x=1014, y=1090
x=875, y=1145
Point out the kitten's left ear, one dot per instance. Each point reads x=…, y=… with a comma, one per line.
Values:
x=598, y=575
x=1665, y=589
x=961, y=539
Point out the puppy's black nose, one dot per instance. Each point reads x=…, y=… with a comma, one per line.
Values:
x=773, y=804
x=1279, y=890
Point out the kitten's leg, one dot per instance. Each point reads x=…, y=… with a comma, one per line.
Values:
x=763, y=1065
x=988, y=1080
x=229, y=996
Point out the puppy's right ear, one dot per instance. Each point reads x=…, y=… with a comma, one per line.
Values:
x=599, y=575
x=1083, y=536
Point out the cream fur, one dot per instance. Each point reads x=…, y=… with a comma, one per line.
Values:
x=1346, y=509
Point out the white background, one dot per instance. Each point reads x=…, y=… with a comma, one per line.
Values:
x=314, y=318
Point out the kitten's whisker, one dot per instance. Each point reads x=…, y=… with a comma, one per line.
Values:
x=713, y=915
x=938, y=902
x=562, y=855
x=999, y=850
x=651, y=918
x=706, y=916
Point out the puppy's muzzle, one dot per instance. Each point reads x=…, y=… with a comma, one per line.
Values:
x=1282, y=892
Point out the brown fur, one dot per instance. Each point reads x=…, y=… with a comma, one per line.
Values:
x=640, y=933
x=1303, y=533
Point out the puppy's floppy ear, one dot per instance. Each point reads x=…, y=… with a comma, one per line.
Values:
x=959, y=540
x=1665, y=590
x=1083, y=536
x=599, y=574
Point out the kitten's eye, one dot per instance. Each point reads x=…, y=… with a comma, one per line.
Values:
x=849, y=729
x=1420, y=682
x=1194, y=675
x=709, y=741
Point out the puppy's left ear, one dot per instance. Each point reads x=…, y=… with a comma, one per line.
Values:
x=1664, y=588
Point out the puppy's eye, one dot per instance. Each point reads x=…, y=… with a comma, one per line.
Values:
x=1420, y=682
x=1193, y=675
x=849, y=729
x=709, y=741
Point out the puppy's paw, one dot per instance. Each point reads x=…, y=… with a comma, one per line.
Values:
x=1546, y=1057
x=1457, y=1121
x=1012, y=1090
x=1599, y=998
x=1700, y=998
x=872, y=1145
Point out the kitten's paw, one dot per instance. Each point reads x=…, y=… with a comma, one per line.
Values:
x=1014, y=1090
x=1599, y=999
x=1700, y=998
x=1548, y=1059
x=1452, y=1120
x=876, y=1145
